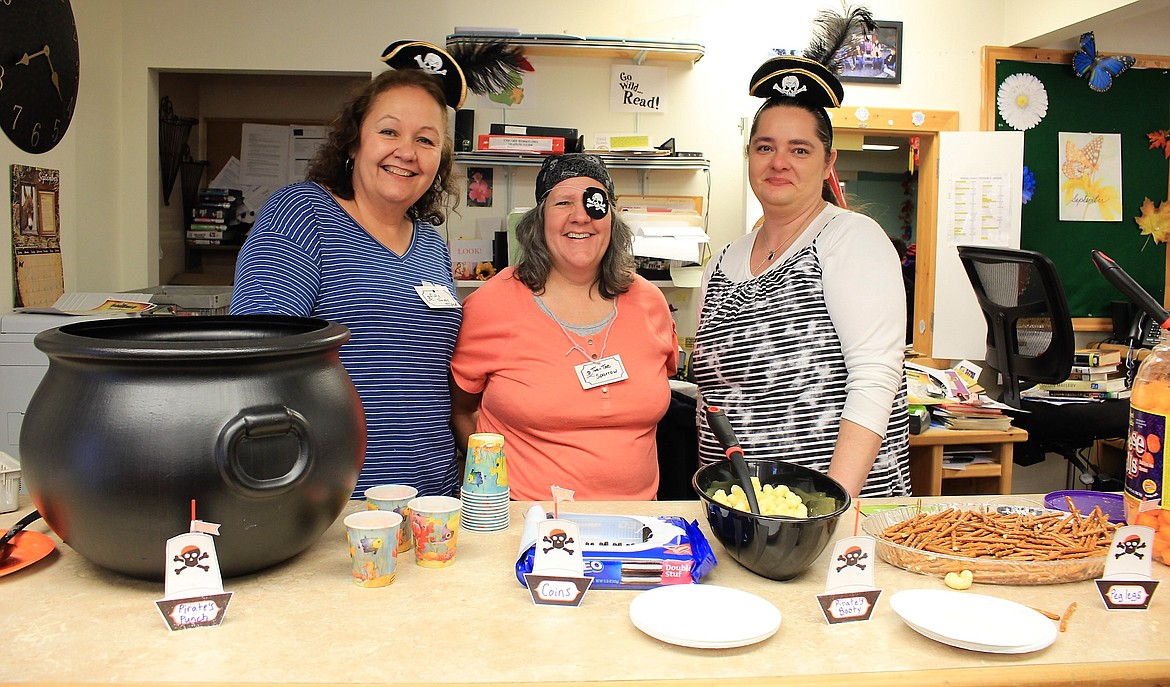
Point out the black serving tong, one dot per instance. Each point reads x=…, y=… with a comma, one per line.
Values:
x=5, y=547
x=721, y=426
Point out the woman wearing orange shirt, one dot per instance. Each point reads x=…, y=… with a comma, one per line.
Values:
x=567, y=354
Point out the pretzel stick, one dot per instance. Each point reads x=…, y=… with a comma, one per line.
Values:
x=1047, y=614
x=1067, y=614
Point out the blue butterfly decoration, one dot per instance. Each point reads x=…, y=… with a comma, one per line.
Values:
x=1098, y=69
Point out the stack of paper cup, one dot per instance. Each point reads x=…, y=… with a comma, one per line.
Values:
x=485, y=493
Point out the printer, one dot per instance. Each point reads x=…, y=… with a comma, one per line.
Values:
x=22, y=366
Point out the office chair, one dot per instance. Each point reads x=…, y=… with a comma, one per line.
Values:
x=1030, y=341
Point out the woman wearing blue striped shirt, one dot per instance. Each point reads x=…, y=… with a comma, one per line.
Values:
x=356, y=244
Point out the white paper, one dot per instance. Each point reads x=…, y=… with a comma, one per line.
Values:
x=978, y=211
x=968, y=159
x=229, y=176
x=304, y=141
x=637, y=88
x=675, y=238
x=264, y=155
x=690, y=277
x=81, y=303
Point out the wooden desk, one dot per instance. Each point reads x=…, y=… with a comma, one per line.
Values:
x=926, y=458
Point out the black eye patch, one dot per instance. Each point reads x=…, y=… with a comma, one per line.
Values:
x=596, y=202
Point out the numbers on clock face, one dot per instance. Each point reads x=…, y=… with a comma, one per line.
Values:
x=39, y=72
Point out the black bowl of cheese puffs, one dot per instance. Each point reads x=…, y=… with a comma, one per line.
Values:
x=799, y=509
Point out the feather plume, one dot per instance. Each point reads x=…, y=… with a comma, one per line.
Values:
x=834, y=32
x=489, y=64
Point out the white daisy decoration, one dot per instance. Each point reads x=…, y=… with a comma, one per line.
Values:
x=1022, y=101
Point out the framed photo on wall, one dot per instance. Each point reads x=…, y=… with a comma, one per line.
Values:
x=874, y=57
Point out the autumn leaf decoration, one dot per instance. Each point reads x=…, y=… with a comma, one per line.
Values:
x=1159, y=139
x=1155, y=221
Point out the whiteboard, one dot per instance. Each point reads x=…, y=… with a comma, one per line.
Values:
x=980, y=181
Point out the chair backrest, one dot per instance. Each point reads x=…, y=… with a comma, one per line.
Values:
x=1029, y=328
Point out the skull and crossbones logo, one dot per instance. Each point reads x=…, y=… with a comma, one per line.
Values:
x=1130, y=547
x=190, y=557
x=559, y=540
x=596, y=204
x=789, y=86
x=431, y=63
x=852, y=556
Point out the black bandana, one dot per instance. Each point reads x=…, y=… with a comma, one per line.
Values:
x=557, y=168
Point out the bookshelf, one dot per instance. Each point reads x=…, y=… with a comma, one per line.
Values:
x=926, y=461
x=559, y=45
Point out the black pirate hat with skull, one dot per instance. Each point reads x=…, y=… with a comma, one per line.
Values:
x=479, y=66
x=812, y=76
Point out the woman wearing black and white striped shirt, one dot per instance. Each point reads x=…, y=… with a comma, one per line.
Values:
x=802, y=324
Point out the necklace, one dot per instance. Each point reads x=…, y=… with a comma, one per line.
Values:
x=773, y=252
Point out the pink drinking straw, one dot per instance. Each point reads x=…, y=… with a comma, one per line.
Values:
x=857, y=517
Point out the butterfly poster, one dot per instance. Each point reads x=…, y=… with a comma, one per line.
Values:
x=1090, y=177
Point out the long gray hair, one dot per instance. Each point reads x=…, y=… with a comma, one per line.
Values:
x=617, y=265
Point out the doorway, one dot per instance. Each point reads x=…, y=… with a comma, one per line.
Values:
x=893, y=126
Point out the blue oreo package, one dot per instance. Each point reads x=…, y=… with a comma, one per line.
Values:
x=628, y=551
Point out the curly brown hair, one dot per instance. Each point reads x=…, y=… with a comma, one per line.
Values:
x=331, y=168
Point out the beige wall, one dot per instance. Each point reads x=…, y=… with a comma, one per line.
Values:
x=110, y=171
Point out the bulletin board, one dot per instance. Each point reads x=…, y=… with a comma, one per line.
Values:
x=1137, y=103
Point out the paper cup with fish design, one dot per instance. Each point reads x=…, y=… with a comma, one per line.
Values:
x=373, y=546
x=394, y=497
x=435, y=521
x=486, y=471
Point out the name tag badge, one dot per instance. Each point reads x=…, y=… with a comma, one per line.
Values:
x=597, y=373
x=437, y=296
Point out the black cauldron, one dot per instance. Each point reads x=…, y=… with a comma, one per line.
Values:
x=252, y=417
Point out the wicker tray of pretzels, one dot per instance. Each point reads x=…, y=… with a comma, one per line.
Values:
x=999, y=544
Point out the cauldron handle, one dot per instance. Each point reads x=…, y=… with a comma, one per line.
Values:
x=255, y=423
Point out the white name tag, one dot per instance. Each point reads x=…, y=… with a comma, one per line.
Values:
x=437, y=296
x=597, y=373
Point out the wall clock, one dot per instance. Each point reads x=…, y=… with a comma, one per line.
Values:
x=39, y=71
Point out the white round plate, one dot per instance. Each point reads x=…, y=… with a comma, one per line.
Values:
x=675, y=613
x=974, y=621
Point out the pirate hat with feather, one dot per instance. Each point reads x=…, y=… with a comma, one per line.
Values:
x=478, y=66
x=812, y=77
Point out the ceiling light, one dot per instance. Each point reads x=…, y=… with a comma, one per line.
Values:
x=878, y=147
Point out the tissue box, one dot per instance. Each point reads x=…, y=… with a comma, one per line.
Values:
x=9, y=482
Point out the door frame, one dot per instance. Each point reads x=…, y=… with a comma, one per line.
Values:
x=926, y=125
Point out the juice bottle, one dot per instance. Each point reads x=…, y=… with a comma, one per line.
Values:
x=1145, y=462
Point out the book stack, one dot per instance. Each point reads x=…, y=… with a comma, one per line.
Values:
x=968, y=416
x=540, y=145
x=215, y=218
x=570, y=139
x=1097, y=374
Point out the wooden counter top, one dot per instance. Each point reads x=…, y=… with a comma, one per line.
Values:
x=66, y=621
